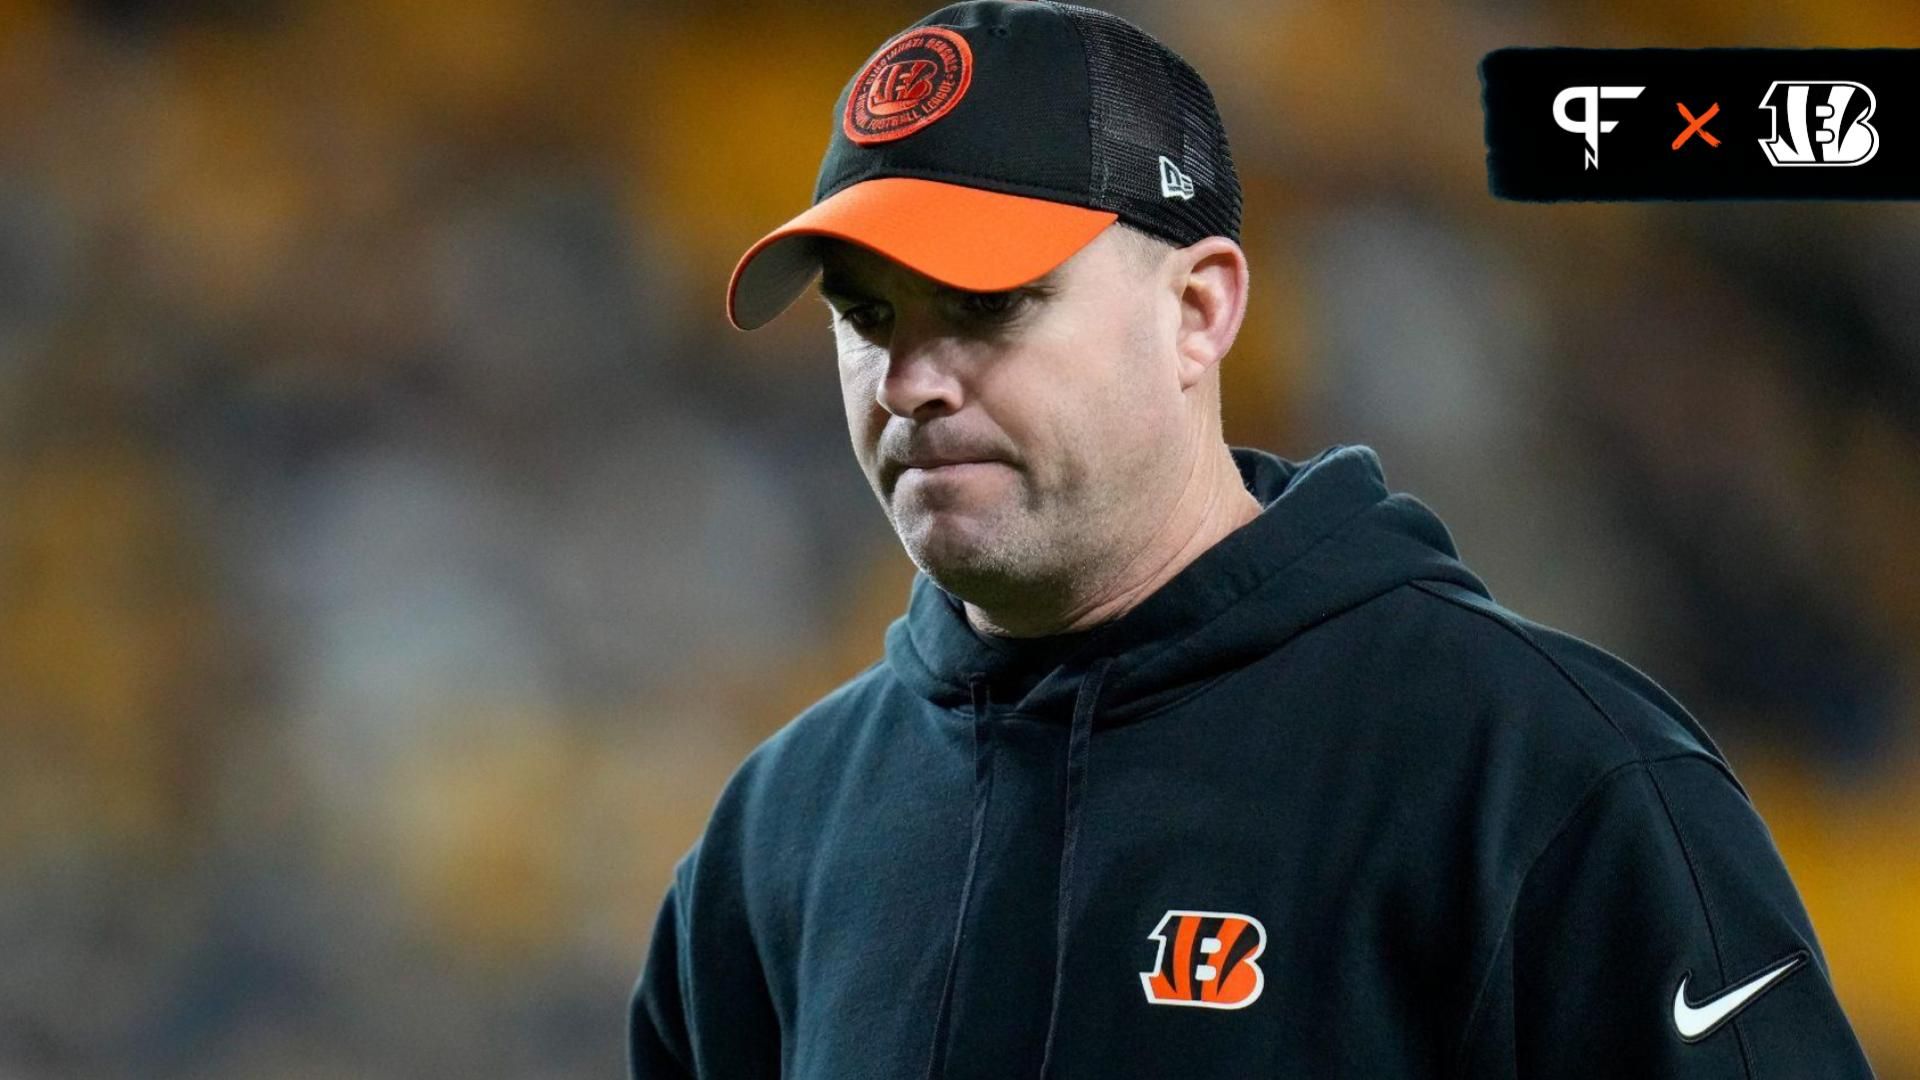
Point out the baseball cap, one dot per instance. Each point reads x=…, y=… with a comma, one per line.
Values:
x=985, y=144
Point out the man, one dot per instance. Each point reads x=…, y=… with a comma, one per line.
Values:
x=1185, y=760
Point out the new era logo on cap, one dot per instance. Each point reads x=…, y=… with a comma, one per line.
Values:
x=1174, y=184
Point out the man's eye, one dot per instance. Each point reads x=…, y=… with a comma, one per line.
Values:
x=864, y=317
x=993, y=304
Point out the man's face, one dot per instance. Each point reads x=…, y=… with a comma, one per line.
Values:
x=1018, y=440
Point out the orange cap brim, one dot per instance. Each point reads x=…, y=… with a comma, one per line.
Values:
x=965, y=237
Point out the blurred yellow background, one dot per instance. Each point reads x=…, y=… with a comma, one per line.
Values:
x=398, y=549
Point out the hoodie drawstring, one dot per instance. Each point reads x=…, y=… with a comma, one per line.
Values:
x=982, y=791
x=1078, y=739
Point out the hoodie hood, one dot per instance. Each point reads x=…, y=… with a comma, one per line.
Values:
x=1329, y=536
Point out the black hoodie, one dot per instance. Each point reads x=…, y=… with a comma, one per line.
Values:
x=1316, y=807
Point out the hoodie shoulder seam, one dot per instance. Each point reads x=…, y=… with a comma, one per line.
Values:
x=1639, y=759
x=1589, y=798
x=1520, y=632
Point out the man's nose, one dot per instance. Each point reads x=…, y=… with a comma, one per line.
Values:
x=923, y=370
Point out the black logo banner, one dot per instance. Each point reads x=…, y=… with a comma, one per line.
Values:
x=1608, y=124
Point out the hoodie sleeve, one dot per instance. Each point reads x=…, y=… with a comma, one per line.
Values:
x=1659, y=935
x=658, y=1047
x=702, y=1007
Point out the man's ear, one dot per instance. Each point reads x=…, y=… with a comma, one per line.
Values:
x=1212, y=283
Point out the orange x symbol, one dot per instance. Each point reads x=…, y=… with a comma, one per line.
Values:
x=1698, y=125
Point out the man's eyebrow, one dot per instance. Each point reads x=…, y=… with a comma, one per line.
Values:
x=836, y=287
x=1043, y=283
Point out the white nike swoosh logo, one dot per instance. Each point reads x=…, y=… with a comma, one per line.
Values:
x=1696, y=1022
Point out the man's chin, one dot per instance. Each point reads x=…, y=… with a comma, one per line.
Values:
x=956, y=551
x=942, y=554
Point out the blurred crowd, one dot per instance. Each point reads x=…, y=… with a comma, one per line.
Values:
x=398, y=549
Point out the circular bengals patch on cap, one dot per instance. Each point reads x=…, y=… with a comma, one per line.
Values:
x=914, y=80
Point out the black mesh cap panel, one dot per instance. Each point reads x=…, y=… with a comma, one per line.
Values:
x=1146, y=101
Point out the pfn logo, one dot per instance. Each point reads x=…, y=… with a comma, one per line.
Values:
x=1826, y=123
x=1590, y=124
x=1210, y=962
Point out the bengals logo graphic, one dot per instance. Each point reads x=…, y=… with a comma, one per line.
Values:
x=1211, y=962
x=912, y=82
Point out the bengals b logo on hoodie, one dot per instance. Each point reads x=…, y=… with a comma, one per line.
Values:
x=1206, y=958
